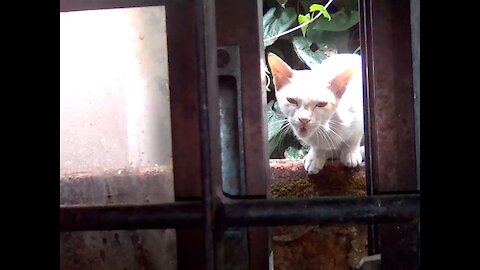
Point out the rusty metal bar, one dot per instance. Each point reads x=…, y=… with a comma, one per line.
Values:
x=79, y=5
x=255, y=212
x=367, y=55
x=325, y=210
x=390, y=123
x=390, y=103
x=206, y=55
x=248, y=38
x=240, y=45
x=184, y=106
x=130, y=217
x=185, y=123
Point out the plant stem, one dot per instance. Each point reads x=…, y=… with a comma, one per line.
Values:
x=299, y=26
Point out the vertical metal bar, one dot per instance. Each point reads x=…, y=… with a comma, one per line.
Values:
x=183, y=84
x=415, y=26
x=248, y=36
x=391, y=121
x=392, y=127
x=184, y=106
x=209, y=118
x=367, y=56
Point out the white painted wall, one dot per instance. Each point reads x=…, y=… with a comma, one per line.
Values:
x=115, y=113
x=114, y=99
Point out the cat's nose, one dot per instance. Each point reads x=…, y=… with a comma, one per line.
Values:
x=304, y=120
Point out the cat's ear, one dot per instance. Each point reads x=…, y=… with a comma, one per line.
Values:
x=339, y=83
x=281, y=71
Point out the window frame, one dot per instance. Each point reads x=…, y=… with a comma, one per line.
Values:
x=199, y=205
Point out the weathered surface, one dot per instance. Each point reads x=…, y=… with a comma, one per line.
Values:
x=117, y=250
x=317, y=247
x=298, y=247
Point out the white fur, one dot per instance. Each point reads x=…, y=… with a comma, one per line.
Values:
x=338, y=131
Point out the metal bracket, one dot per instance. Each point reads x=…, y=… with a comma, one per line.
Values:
x=231, y=121
x=372, y=262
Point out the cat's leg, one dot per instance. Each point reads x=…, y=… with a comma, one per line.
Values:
x=314, y=160
x=351, y=151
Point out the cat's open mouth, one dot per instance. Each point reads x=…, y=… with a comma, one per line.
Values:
x=302, y=132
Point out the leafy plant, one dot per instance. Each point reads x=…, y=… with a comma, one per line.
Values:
x=304, y=33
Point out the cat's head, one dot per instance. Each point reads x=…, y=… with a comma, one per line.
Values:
x=308, y=98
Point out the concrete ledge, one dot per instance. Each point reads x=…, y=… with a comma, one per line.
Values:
x=317, y=247
x=298, y=247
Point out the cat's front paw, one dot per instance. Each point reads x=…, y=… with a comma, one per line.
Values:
x=351, y=159
x=313, y=163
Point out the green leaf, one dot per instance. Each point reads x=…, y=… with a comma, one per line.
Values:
x=275, y=125
x=340, y=21
x=275, y=119
x=280, y=136
x=282, y=2
x=276, y=21
x=314, y=35
x=317, y=7
x=307, y=3
x=337, y=40
x=271, y=3
x=296, y=153
x=348, y=5
x=303, y=19
x=302, y=47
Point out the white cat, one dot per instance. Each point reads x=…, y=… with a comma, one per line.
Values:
x=324, y=107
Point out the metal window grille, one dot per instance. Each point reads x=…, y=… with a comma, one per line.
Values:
x=392, y=207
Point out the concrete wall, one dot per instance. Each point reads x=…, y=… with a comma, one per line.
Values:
x=114, y=101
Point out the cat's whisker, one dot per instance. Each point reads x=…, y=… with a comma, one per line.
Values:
x=327, y=138
x=283, y=131
x=334, y=132
x=336, y=125
x=335, y=121
x=319, y=133
x=284, y=120
x=332, y=147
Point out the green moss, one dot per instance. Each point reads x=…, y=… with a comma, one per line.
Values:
x=294, y=188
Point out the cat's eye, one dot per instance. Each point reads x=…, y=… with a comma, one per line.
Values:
x=321, y=104
x=293, y=101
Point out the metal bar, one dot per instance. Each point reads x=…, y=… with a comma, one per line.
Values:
x=327, y=210
x=415, y=32
x=184, y=111
x=206, y=55
x=184, y=106
x=248, y=38
x=391, y=122
x=367, y=56
x=256, y=212
x=79, y=5
x=391, y=96
x=131, y=217
x=246, y=59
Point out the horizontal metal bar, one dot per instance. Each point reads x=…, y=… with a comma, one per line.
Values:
x=79, y=5
x=130, y=217
x=324, y=210
x=256, y=212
